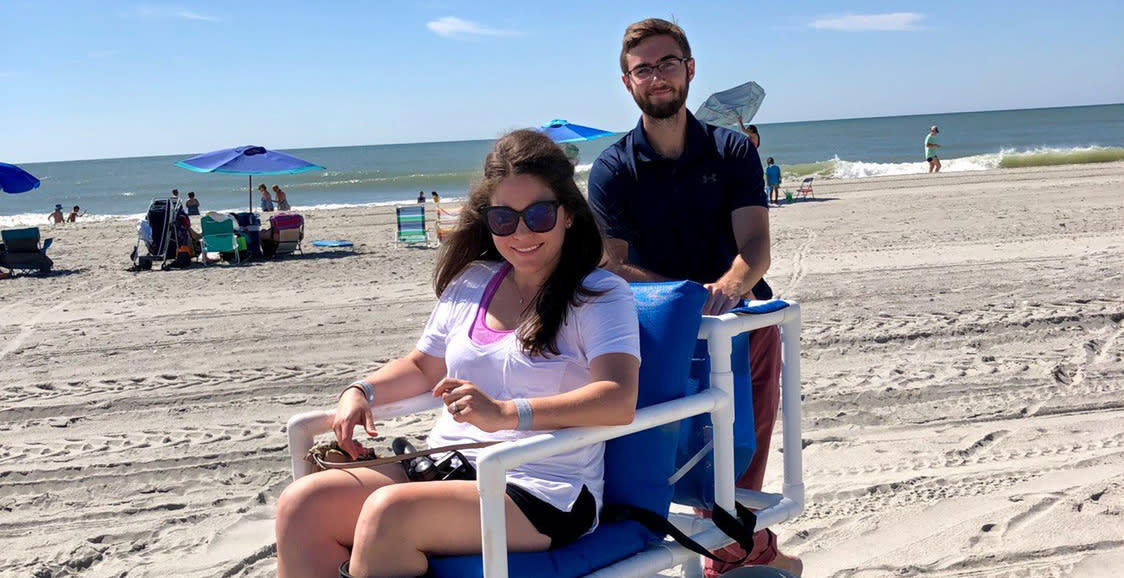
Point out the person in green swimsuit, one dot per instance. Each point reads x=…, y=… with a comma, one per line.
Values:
x=931, y=147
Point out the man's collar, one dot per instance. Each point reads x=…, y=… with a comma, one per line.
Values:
x=696, y=141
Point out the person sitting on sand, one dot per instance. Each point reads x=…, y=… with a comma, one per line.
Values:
x=506, y=362
x=73, y=216
x=282, y=200
x=266, y=200
x=56, y=216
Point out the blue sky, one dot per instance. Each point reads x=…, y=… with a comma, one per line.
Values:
x=86, y=79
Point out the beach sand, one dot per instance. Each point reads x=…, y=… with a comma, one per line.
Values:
x=962, y=366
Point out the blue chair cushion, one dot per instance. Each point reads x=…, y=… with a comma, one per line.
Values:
x=696, y=487
x=636, y=466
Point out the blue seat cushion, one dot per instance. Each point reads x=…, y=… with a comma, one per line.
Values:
x=637, y=466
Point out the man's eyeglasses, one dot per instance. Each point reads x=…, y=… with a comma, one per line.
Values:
x=669, y=66
x=540, y=217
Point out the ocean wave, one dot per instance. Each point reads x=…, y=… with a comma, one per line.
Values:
x=38, y=220
x=1007, y=158
x=1072, y=156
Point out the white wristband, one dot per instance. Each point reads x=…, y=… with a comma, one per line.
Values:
x=365, y=386
x=525, y=414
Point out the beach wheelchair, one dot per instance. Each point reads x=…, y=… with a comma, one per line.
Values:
x=642, y=458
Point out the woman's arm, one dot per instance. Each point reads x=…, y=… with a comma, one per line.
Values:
x=609, y=399
x=414, y=374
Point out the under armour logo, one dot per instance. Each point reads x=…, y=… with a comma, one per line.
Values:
x=711, y=178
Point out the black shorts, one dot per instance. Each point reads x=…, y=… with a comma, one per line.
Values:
x=561, y=527
x=930, y=159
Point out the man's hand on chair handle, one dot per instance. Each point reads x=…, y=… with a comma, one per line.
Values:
x=724, y=296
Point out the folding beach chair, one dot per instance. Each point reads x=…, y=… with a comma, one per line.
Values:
x=640, y=458
x=806, y=188
x=446, y=222
x=411, y=225
x=21, y=250
x=219, y=236
x=286, y=231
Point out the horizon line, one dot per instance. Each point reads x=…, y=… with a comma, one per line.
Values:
x=423, y=142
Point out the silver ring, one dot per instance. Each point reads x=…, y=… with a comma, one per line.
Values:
x=453, y=408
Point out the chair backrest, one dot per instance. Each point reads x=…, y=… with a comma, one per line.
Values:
x=637, y=466
x=218, y=234
x=807, y=183
x=286, y=221
x=411, y=224
x=21, y=240
x=447, y=220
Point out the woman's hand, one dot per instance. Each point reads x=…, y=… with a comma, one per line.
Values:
x=468, y=404
x=351, y=411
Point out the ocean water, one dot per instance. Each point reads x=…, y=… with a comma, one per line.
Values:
x=387, y=174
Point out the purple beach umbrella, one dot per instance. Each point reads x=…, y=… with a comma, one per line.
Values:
x=248, y=160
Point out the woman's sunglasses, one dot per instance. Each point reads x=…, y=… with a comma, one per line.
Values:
x=540, y=217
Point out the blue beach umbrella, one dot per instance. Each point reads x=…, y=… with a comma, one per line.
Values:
x=16, y=180
x=562, y=131
x=248, y=160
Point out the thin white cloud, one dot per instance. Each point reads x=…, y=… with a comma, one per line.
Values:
x=189, y=15
x=453, y=27
x=892, y=21
x=151, y=12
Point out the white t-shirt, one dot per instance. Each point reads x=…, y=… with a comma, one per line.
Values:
x=600, y=325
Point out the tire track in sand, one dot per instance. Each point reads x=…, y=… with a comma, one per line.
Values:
x=798, y=270
x=28, y=327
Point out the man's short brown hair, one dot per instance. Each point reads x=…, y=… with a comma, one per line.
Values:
x=637, y=32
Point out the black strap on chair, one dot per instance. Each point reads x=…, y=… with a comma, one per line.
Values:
x=740, y=528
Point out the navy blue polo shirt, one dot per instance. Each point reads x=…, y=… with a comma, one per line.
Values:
x=675, y=214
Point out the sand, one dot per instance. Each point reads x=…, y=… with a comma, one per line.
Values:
x=963, y=375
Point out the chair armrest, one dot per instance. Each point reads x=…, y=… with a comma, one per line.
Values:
x=493, y=462
x=306, y=426
x=46, y=245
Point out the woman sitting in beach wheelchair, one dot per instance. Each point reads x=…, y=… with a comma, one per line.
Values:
x=375, y=525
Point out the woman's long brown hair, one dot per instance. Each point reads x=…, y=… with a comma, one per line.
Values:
x=528, y=152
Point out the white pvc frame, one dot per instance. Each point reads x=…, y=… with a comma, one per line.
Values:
x=493, y=462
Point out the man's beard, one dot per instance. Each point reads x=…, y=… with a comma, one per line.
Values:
x=665, y=110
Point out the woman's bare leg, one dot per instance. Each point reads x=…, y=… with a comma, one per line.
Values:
x=400, y=524
x=316, y=518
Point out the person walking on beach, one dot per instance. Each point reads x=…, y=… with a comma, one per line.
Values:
x=436, y=198
x=56, y=216
x=282, y=199
x=773, y=181
x=931, y=147
x=549, y=340
x=266, y=200
x=421, y=197
x=680, y=199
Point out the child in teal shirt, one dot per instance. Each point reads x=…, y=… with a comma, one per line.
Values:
x=773, y=180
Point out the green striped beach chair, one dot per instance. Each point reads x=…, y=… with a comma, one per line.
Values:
x=411, y=225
